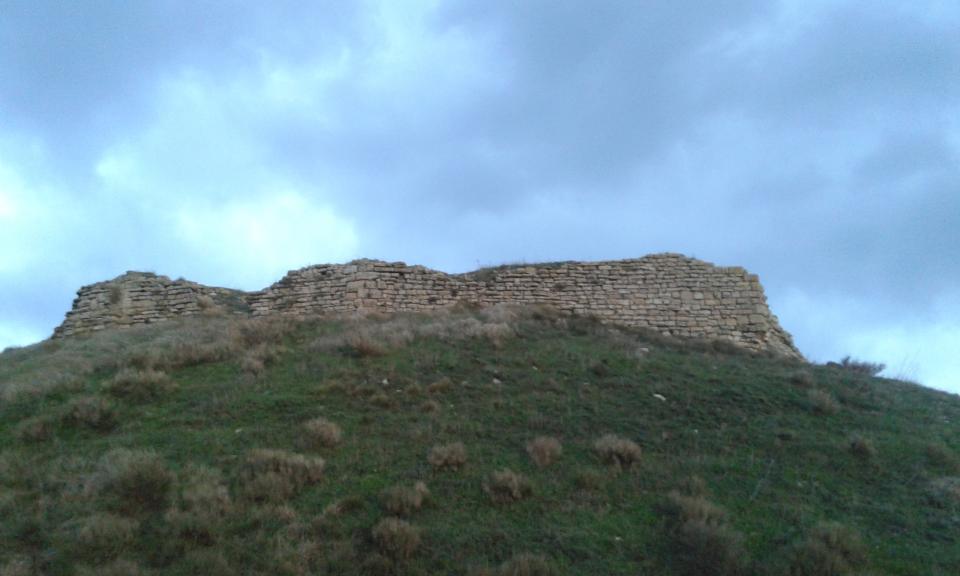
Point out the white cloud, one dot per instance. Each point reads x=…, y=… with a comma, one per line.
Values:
x=252, y=243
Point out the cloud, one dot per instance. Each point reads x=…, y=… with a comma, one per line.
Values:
x=251, y=244
x=814, y=142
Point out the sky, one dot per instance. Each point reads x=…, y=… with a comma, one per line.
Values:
x=814, y=142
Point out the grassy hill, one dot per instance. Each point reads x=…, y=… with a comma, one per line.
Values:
x=494, y=442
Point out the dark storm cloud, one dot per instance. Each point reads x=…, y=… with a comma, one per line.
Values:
x=814, y=142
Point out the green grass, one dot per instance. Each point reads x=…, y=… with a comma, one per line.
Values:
x=743, y=423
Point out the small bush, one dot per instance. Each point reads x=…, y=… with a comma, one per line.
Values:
x=448, y=456
x=861, y=447
x=617, y=451
x=139, y=385
x=363, y=346
x=36, y=429
x=506, y=486
x=944, y=492
x=321, y=433
x=275, y=475
x=91, y=412
x=202, y=504
x=861, y=367
x=381, y=400
x=404, y=500
x=589, y=480
x=830, y=549
x=440, y=386
x=544, y=450
x=133, y=480
x=430, y=406
x=396, y=538
x=802, y=379
x=704, y=540
x=941, y=456
x=821, y=402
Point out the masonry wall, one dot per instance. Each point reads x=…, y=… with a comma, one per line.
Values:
x=670, y=293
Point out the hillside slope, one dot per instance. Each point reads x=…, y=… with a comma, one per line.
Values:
x=224, y=446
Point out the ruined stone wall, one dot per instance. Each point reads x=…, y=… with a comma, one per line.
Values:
x=138, y=298
x=669, y=293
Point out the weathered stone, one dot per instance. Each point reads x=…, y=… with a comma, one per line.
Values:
x=669, y=293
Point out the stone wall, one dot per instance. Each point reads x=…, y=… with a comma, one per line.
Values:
x=669, y=293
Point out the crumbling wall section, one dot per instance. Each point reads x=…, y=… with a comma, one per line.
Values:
x=669, y=293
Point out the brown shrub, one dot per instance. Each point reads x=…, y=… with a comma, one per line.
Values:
x=321, y=433
x=448, y=456
x=544, y=450
x=705, y=541
x=364, y=346
x=92, y=412
x=275, y=475
x=139, y=385
x=589, y=480
x=404, y=500
x=830, y=549
x=430, y=406
x=861, y=367
x=802, y=379
x=944, y=492
x=132, y=480
x=396, y=538
x=941, y=456
x=440, y=386
x=617, y=451
x=382, y=400
x=861, y=447
x=822, y=402
x=506, y=486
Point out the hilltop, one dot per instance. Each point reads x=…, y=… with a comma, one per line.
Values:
x=498, y=440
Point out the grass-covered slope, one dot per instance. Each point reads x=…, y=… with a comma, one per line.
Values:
x=476, y=442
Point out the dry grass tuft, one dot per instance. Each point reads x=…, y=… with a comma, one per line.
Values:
x=405, y=500
x=802, y=379
x=321, y=433
x=133, y=481
x=861, y=367
x=822, y=402
x=448, y=456
x=617, y=451
x=382, y=400
x=705, y=541
x=830, y=549
x=363, y=346
x=941, y=456
x=396, y=538
x=506, y=486
x=91, y=412
x=944, y=492
x=440, y=386
x=430, y=406
x=139, y=385
x=862, y=447
x=544, y=450
x=203, y=502
x=275, y=475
